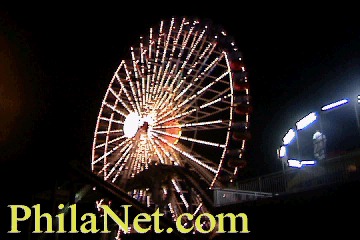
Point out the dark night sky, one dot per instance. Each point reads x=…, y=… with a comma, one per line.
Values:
x=56, y=63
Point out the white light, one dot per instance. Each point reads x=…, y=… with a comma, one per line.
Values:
x=289, y=136
x=308, y=162
x=294, y=163
x=305, y=121
x=131, y=125
x=282, y=151
x=149, y=119
x=358, y=98
x=335, y=104
x=299, y=164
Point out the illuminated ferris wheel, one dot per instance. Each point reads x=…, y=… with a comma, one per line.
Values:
x=181, y=99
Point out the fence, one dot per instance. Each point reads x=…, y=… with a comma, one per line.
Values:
x=339, y=169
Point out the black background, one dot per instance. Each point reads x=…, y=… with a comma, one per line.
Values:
x=56, y=62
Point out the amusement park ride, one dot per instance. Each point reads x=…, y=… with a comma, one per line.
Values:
x=174, y=121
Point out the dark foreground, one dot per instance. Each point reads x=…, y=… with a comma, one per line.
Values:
x=322, y=212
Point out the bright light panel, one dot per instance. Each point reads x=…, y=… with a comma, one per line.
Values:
x=305, y=121
x=308, y=162
x=335, y=104
x=294, y=163
x=289, y=136
x=282, y=152
x=298, y=164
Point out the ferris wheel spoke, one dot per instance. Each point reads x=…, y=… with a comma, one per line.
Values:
x=186, y=154
x=184, y=43
x=166, y=88
x=200, y=157
x=179, y=191
x=183, y=114
x=165, y=50
x=174, y=108
x=193, y=48
x=198, y=209
x=157, y=82
x=117, y=96
x=165, y=155
x=187, y=125
x=218, y=79
x=198, y=89
x=180, y=97
x=174, y=47
x=171, y=157
x=208, y=176
x=173, y=212
x=109, y=142
x=160, y=87
x=220, y=97
x=137, y=75
x=178, y=209
x=135, y=97
x=156, y=150
x=198, y=126
x=112, y=88
x=119, y=161
x=119, y=170
x=203, y=142
x=143, y=74
x=168, y=99
x=121, y=81
x=215, y=110
x=168, y=40
x=190, y=101
x=125, y=152
x=109, y=132
x=200, y=61
x=126, y=143
x=148, y=57
x=156, y=72
x=207, y=70
x=140, y=156
x=113, y=108
x=178, y=35
x=128, y=172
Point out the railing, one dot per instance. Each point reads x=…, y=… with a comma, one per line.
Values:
x=228, y=196
x=339, y=169
x=335, y=170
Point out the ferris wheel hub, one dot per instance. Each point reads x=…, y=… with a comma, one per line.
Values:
x=131, y=125
x=134, y=123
